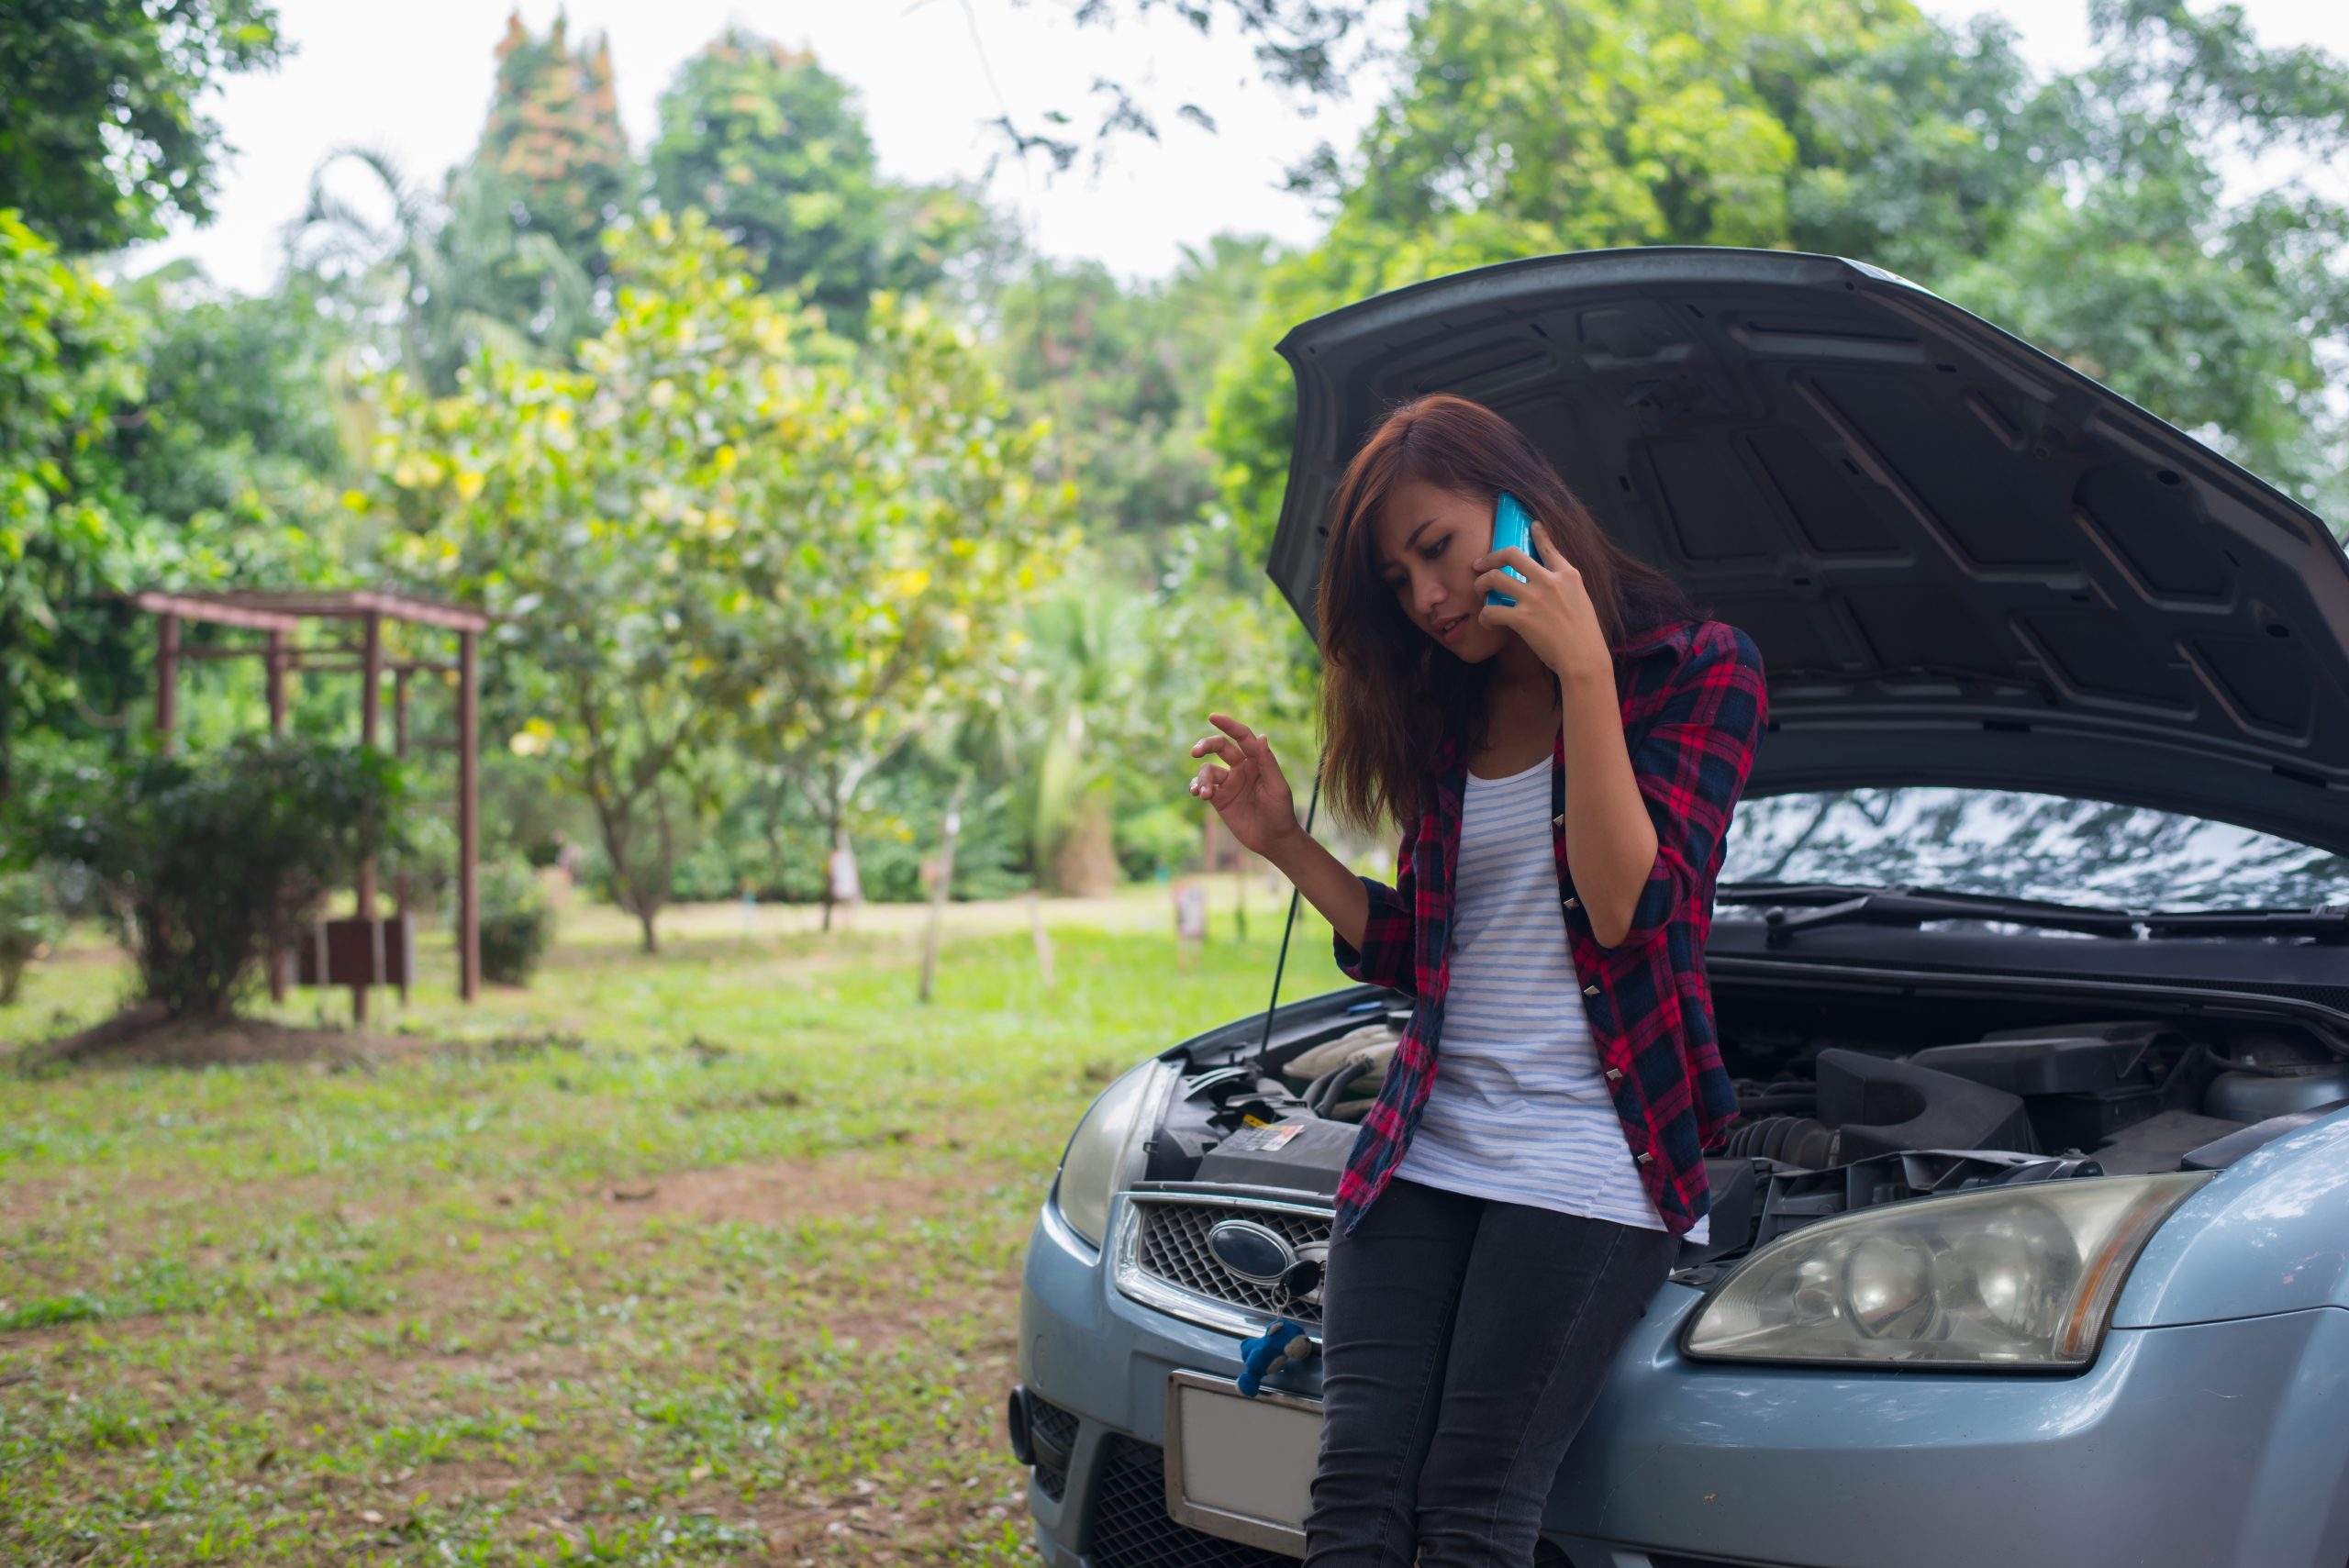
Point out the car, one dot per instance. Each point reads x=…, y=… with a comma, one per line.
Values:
x=2031, y=1243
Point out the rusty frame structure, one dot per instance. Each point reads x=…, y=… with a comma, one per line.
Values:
x=282, y=615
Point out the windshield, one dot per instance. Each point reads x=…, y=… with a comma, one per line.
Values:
x=2013, y=844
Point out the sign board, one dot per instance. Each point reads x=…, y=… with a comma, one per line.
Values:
x=355, y=952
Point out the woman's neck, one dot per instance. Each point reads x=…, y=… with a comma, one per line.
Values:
x=1519, y=672
x=1521, y=707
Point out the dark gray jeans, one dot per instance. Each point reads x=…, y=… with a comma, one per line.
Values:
x=1463, y=1341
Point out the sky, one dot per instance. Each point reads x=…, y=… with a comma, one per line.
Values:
x=931, y=74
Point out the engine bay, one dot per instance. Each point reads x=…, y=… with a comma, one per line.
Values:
x=1842, y=1103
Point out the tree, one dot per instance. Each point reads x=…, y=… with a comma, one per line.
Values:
x=924, y=527
x=773, y=147
x=101, y=139
x=236, y=457
x=1124, y=376
x=2215, y=296
x=554, y=137
x=67, y=364
x=450, y=275
x=2086, y=212
x=594, y=510
x=726, y=527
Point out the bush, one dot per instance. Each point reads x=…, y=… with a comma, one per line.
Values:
x=205, y=865
x=517, y=922
x=28, y=924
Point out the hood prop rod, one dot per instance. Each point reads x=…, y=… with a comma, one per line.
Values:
x=1312, y=806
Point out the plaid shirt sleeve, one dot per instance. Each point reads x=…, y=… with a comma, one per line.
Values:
x=1384, y=956
x=1691, y=763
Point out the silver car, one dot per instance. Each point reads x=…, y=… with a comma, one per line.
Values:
x=2031, y=1242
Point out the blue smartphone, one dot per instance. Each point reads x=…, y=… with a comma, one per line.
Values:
x=1512, y=526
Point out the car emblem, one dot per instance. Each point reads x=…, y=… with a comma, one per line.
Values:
x=1252, y=1251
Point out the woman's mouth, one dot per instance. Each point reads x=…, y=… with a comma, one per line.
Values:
x=1450, y=627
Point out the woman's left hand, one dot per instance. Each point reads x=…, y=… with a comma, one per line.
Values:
x=1553, y=613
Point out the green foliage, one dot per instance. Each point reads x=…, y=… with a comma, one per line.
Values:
x=518, y=922
x=28, y=924
x=235, y=460
x=1124, y=374
x=436, y=281
x=101, y=138
x=554, y=135
x=773, y=147
x=67, y=365
x=2086, y=212
x=771, y=840
x=206, y=865
x=159, y=432
x=727, y=526
x=2215, y=296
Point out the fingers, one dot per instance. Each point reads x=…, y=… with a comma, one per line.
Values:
x=1232, y=728
x=1221, y=786
x=1217, y=746
x=1248, y=741
x=1498, y=582
x=1512, y=556
x=1500, y=615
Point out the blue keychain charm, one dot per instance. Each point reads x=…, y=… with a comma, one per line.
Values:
x=1284, y=1340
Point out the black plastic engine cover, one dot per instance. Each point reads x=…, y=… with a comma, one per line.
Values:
x=2082, y=1059
x=1882, y=1107
x=1304, y=1153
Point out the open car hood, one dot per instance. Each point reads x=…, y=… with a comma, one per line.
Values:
x=1963, y=561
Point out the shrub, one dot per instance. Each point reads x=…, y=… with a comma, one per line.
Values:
x=517, y=922
x=205, y=865
x=28, y=924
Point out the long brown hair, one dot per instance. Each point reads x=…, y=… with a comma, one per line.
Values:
x=1390, y=695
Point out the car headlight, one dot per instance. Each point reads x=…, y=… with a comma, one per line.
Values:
x=1101, y=1153
x=2007, y=1279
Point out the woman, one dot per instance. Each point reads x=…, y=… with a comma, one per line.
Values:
x=1506, y=1214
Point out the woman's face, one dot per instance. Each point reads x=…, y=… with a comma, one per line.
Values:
x=1424, y=539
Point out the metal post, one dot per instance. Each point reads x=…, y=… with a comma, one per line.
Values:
x=277, y=662
x=371, y=710
x=167, y=680
x=468, y=820
x=399, y=750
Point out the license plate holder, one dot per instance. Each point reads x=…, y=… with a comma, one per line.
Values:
x=1237, y=1468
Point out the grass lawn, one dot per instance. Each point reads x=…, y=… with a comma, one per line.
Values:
x=708, y=1257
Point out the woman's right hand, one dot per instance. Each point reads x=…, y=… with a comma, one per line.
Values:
x=1250, y=795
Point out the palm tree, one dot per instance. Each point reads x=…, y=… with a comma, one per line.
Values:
x=1087, y=675
x=445, y=277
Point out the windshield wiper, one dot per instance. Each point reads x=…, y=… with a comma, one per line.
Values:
x=1789, y=908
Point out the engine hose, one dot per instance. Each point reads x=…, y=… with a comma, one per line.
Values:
x=1322, y=1095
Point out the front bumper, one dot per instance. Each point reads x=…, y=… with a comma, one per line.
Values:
x=2196, y=1446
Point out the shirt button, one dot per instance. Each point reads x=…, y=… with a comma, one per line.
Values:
x=1643, y=1159
x=1568, y=904
x=1614, y=1074
x=1590, y=990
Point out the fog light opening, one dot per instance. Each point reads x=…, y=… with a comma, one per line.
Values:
x=1017, y=1426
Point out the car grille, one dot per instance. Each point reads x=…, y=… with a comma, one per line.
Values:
x=1172, y=1246
x=1051, y=1432
x=1130, y=1528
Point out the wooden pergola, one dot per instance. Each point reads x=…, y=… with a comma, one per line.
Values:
x=282, y=616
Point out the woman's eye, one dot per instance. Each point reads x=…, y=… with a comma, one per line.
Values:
x=1438, y=548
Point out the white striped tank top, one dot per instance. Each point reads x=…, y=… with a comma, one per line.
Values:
x=1520, y=1110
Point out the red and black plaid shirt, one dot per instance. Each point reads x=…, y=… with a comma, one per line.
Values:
x=1693, y=710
